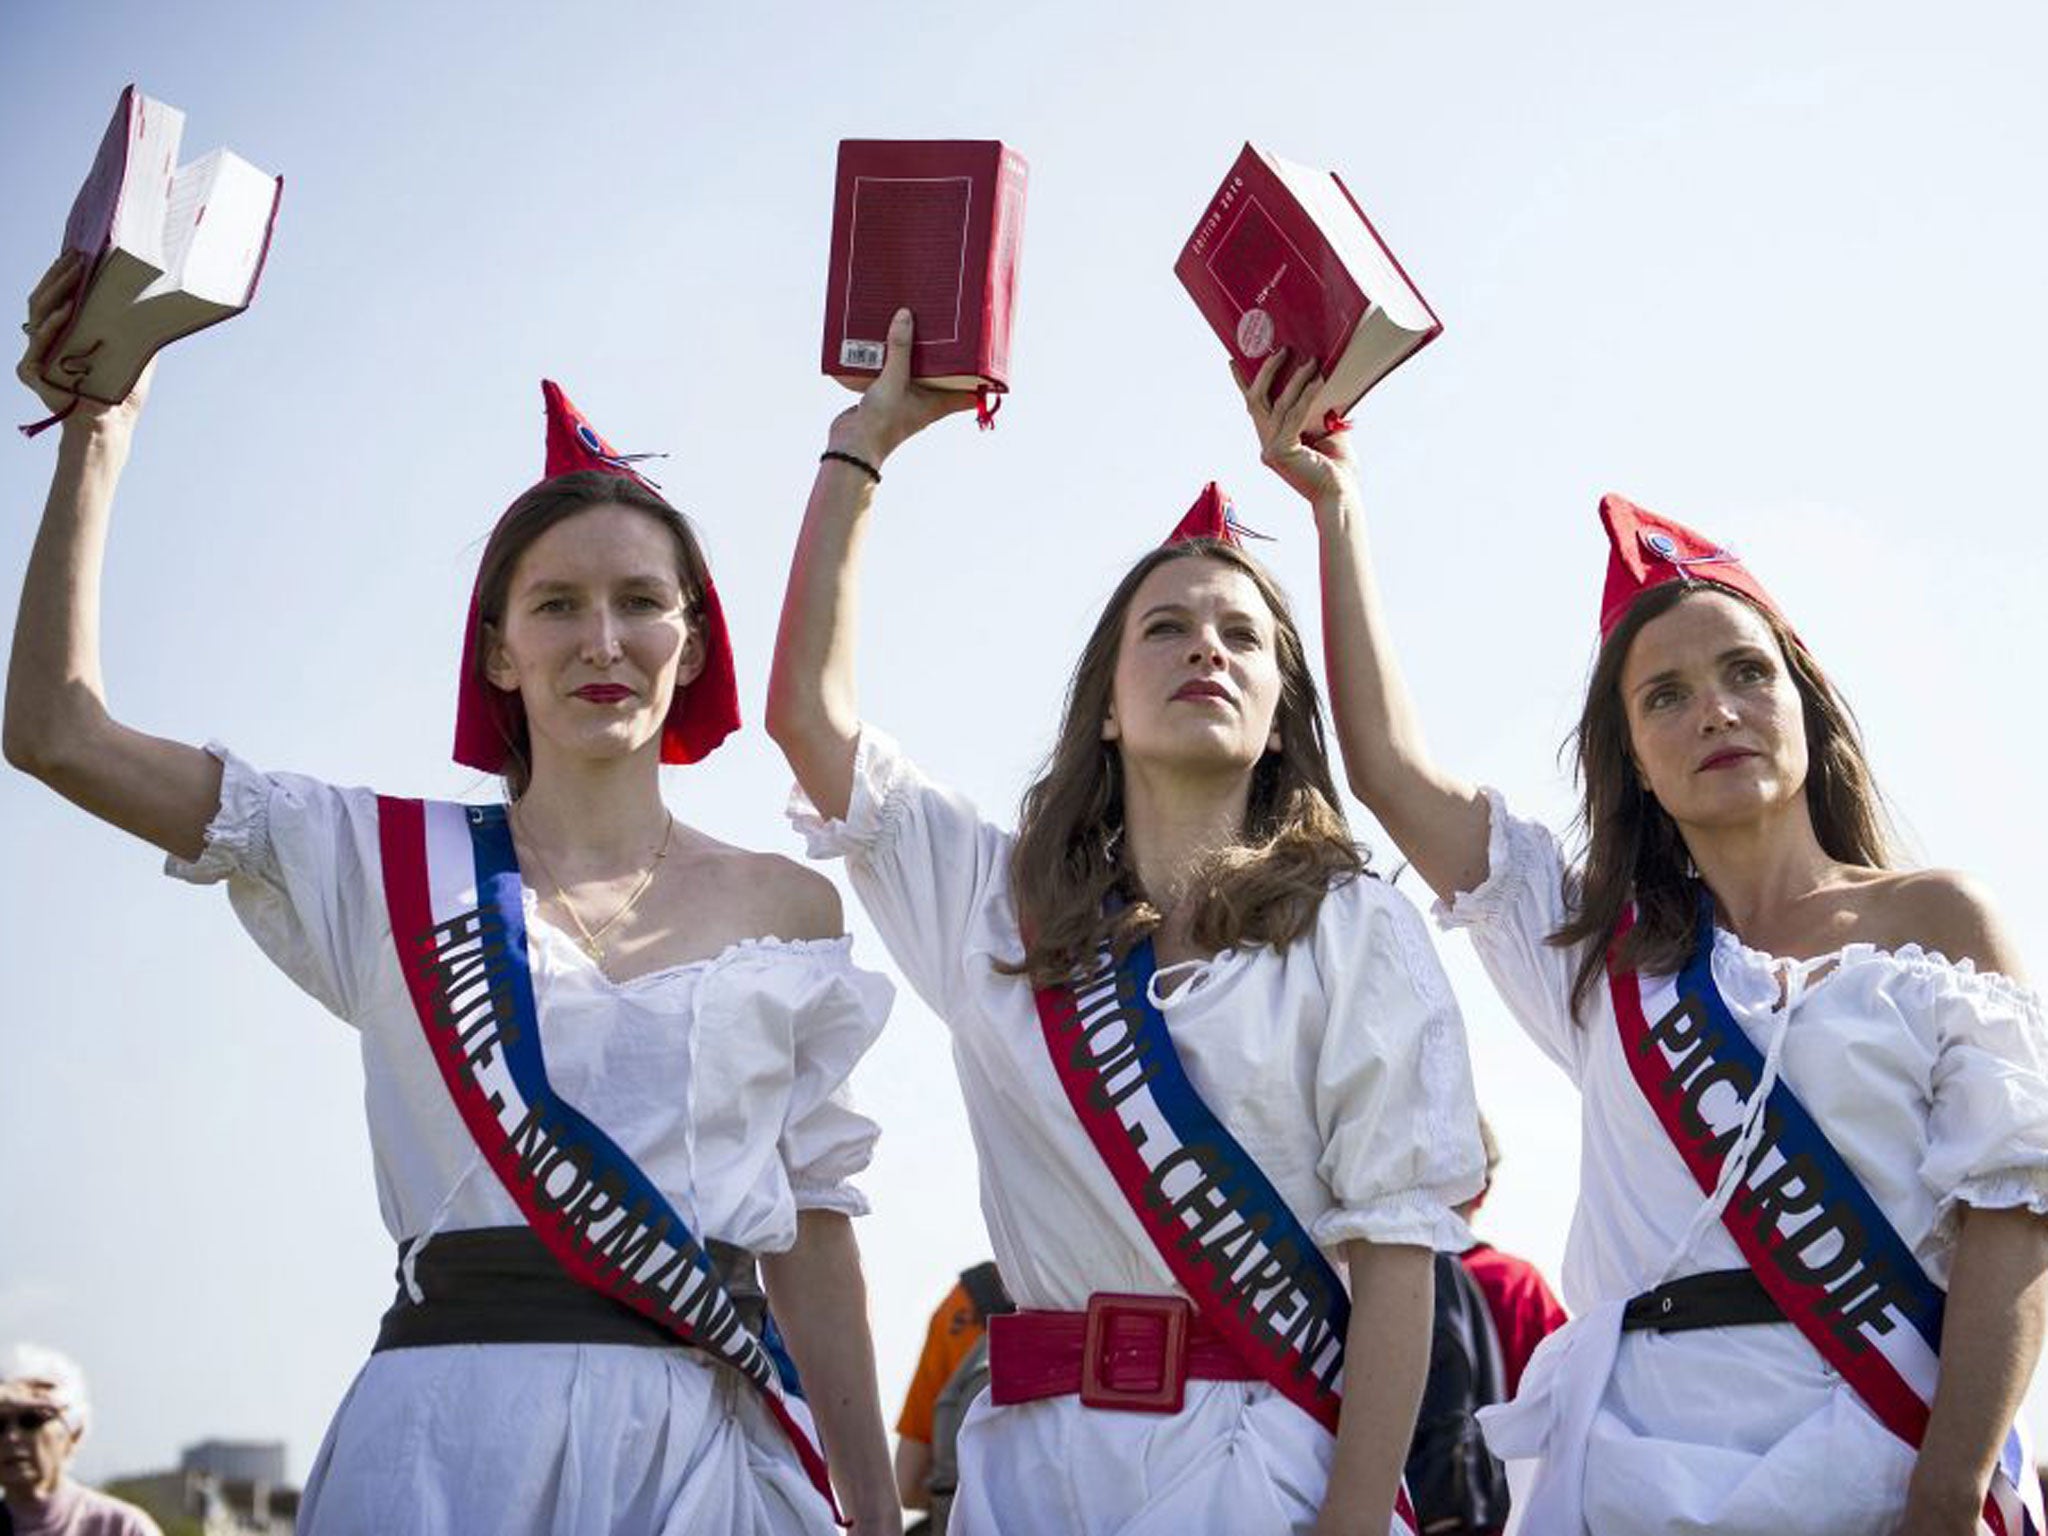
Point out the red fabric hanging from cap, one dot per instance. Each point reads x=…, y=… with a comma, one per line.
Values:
x=1646, y=551
x=701, y=716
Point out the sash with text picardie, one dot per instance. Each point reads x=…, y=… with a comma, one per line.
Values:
x=1821, y=1246
x=1224, y=1231
x=451, y=883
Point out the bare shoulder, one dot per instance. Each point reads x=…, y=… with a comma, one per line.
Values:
x=810, y=900
x=1946, y=910
x=779, y=896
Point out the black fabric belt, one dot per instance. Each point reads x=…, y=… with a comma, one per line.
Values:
x=500, y=1285
x=1720, y=1298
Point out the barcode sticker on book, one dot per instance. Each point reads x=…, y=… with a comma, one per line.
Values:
x=860, y=354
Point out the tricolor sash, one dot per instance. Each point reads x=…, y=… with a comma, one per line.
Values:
x=451, y=883
x=1818, y=1242
x=1242, y=1256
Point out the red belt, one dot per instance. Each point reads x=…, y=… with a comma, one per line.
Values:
x=1136, y=1353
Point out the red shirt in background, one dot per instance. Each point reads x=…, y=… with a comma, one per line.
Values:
x=1524, y=1310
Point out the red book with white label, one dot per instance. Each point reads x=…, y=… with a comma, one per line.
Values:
x=937, y=225
x=1284, y=257
x=173, y=248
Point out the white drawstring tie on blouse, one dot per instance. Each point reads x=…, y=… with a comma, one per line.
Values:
x=1200, y=974
x=1796, y=975
x=411, y=1257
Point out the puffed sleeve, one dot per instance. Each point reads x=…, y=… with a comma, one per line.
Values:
x=825, y=1140
x=923, y=863
x=298, y=857
x=1510, y=917
x=1987, y=1133
x=1393, y=1096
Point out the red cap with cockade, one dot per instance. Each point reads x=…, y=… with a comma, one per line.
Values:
x=1212, y=517
x=702, y=715
x=1647, y=551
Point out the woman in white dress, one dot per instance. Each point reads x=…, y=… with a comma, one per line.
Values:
x=1729, y=808
x=1187, y=814
x=505, y=1397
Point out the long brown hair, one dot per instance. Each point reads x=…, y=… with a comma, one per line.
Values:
x=1633, y=849
x=1070, y=860
x=536, y=511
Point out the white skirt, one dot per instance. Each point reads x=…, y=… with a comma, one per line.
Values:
x=555, y=1440
x=1237, y=1460
x=1718, y=1432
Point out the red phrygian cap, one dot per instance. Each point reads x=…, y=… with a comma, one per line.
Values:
x=703, y=714
x=574, y=444
x=1212, y=517
x=1647, y=551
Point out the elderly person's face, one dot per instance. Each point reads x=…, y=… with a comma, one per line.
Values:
x=36, y=1441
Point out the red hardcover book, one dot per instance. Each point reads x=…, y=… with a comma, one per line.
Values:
x=935, y=224
x=173, y=248
x=1284, y=257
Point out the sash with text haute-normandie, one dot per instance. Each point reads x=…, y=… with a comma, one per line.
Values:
x=1821, y=1246
x=1223, y=1230
x=451, y=883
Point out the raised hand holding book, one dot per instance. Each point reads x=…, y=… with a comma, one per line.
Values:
x=1283, y=256
x=173, y=249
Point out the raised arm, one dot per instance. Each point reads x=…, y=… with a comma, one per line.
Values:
x=812, y=711
x=1437, y=819
x=57, y=725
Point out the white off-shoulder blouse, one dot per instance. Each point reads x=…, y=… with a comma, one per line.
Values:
x=1338, y=1064
x=1930, y=1078
x=724, y=1079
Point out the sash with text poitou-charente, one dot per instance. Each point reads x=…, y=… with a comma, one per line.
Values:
x=1226, y=1234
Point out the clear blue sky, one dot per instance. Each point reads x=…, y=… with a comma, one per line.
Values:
x=1775, y=270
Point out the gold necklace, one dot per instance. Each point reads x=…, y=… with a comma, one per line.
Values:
x=590, y=938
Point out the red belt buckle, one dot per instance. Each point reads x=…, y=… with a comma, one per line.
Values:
x=1134, y=1355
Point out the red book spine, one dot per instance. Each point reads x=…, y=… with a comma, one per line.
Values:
x=269, y=231
x=89, y=228
x=999, y=293
x=91, y=222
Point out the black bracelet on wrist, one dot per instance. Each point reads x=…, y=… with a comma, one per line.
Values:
x=855, y=460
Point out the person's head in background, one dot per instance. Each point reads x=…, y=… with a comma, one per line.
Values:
x=44, y=1411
